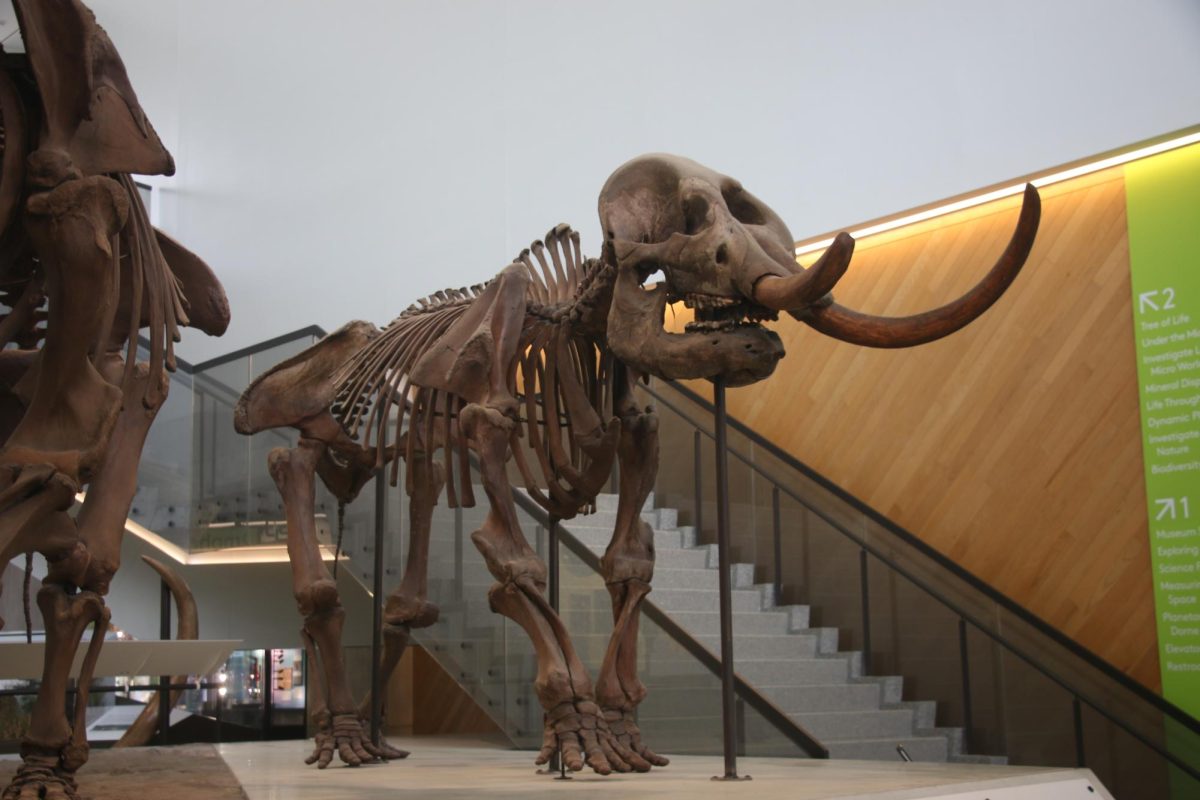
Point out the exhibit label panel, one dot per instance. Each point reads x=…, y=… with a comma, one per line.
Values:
x=1163, y=197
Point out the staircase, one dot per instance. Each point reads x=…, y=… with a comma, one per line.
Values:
x=797, y=667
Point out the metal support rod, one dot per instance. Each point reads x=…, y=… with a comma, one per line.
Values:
x=728, y=708
x=697, y=488
x=966, y=684
x=164, y=681
x=552, y=562
x=1080, y=759
x=377, y=609
x=459, y=589
x=778, y=544
x=556, y=763
x=866, y=612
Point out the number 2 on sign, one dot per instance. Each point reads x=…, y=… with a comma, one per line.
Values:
x=1169, y=509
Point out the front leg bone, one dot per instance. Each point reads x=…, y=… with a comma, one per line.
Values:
x=563, y=686
x=628, y=567
x=317, y=598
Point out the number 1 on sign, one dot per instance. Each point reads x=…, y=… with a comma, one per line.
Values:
x=1169, y=509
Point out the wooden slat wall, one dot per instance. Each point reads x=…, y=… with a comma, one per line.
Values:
x=1012, y=446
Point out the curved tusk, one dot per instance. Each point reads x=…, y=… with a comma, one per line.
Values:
x=796, y=292
x=143, y=728
x=864, y=329
x=185, y=602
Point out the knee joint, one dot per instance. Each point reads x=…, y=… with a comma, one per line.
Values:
x=319, y=599
x=413, y=612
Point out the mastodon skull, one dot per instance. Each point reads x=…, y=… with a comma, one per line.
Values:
x=713, y=241
x=726, y=254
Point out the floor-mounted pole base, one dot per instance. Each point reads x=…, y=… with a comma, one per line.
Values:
x=731, y=778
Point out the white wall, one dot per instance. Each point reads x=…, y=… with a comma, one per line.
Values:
x=337, y=160
x=251, y=602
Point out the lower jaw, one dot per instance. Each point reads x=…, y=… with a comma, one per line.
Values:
x=741, y=356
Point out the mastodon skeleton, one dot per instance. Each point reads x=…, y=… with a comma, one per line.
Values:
x=550, y=350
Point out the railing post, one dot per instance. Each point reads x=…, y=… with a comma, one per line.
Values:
x=777, y=542
x=966, y=683
x=697, y=487
x=164, y=681
x=377, y=609
x=552, y=562
x=728, y=709
x=458, y=553
x=866, y=611
x=1077, y=712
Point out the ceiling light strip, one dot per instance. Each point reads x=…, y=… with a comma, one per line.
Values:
x=1009, y=191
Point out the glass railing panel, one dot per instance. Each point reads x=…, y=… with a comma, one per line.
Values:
x=223, y=468
x=164, y=492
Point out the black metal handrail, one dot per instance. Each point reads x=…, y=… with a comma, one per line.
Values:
x=965, y=617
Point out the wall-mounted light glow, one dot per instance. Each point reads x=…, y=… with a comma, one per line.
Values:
x=257, y=554
x=1009, y=190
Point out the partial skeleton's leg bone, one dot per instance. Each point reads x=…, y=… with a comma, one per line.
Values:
x=407, y=607
x=73, y=409
x=395, y=641
x=317, y=595
x=102, y=519
x=562, y=685
x=318, y=712
x=50, y=752
x=27, y=514
x=83, y=553
x=628, y=567
x=407, y=604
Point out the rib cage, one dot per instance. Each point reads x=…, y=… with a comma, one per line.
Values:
x=561, y=378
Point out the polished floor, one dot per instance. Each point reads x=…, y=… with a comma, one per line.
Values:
x=447, y=769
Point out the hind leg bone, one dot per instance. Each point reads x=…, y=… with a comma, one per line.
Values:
x=317, y=598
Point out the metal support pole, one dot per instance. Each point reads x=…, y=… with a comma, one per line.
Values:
x=778, y=543
x=1077, y=710
x=164, y=681
x=866, y=612
x=556, y=761
x=728, y=707
x=697, y=488
x=459, y=589
x=966, y=684
x=377, y=609
x=552, y=562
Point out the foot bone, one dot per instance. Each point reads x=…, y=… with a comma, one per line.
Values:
x=582, y=733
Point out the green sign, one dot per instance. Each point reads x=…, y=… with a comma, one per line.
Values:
x=1163, y=197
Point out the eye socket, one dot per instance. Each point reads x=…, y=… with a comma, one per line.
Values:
x=651, y=274
x=743, y=206
x=695, y=214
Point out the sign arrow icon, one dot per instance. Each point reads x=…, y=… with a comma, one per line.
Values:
x=1144, y=300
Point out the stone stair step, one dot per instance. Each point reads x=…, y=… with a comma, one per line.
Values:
x=824, y=697
x=708, y=623
x=794, y=672
x=668, y=576
x=835, y=726
x=672, y=600
x=919, y=748
x=750, y=646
